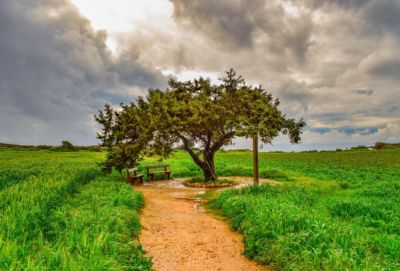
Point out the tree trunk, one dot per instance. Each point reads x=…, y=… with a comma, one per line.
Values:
x=208, y=168
x=207, y=165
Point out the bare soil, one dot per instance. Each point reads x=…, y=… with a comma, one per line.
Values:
x=180, y=235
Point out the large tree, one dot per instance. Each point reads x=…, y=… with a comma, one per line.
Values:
x=200, y=116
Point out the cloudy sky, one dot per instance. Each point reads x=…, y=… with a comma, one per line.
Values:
x=336, y=63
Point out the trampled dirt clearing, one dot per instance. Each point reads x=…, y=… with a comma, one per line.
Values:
x=181, y=236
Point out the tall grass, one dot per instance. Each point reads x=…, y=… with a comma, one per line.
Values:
x=323, y=219
x=25, y=210
x=61, y=213
x=20, y=166
x=291, y=228
x=96, y=230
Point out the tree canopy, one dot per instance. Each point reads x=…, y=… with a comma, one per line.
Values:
x=197, y=115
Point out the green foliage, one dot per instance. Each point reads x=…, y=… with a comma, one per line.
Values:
x=360, y=147
x=116, y=159
x=382, y=145
x=57, y=212
x=193, y=113
x=67, y=146
x=125, y=134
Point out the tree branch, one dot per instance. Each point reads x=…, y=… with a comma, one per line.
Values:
x=221, y=141
x=208, y=142
x=186, y=146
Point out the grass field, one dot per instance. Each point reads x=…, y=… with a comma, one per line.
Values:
x=332, y=211
x=58, y=212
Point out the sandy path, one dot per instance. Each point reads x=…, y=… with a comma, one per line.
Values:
x=180, y=235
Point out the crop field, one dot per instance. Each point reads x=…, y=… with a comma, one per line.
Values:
x=59, y=212
x=330, y=211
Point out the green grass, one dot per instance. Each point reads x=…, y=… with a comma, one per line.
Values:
x=20, y=166
x=94, y=231
x=333, y=211
x=356, y=167
x=201, y=180
x=66, y=215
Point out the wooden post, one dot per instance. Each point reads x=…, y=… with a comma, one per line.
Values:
x=129, y=176
x=255, y=159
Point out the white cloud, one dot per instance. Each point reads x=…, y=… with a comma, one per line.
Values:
x=122, y=16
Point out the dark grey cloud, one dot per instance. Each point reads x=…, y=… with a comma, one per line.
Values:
x=376, y=15
x=341, y=3
x=363, y=91
x=239, y=24
x=386, y=68
x=230, y=22
x=295, y=94
x=51, y=61
x=131, y=73
x=383, y=15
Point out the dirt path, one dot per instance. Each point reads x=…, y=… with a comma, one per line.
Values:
x=181, y=236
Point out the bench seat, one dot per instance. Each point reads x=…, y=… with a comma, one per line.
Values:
x=135, y=178
x=165, y=172
x=160, y=172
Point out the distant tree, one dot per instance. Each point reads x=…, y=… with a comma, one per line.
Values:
x=199, y=116
x=67, y=146
x=359, y=147
x=383, y=145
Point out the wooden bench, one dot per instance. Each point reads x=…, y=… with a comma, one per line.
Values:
x=135, y=178
x=152, y=174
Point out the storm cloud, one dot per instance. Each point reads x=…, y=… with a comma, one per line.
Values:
x=51, y=62
x=309, y=53
x=333, y=62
